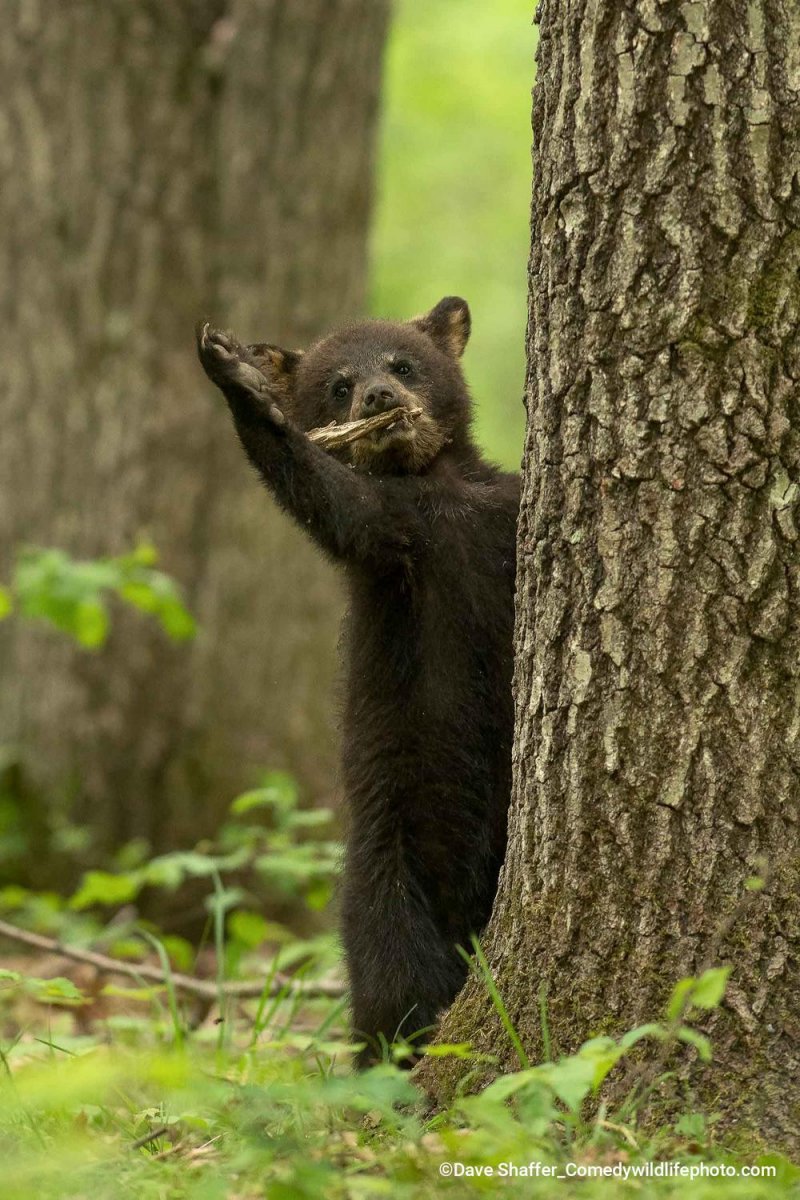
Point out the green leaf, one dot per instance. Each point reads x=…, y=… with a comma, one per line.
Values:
x=642, y=1031
x=132, y=993
x=294, y=866
x=678, y=998
x=155, y=593
x=710, y=987
x=310, y=818
x=140, y=595
x=180, y=951
x=101, y=887
x=90, y=624
x=603, y=1053
x=250, y=928
x=170, y=870
x=13, y=896
x=144, y=554
x=177, y=622
x=72, y=594
x=127, y=947
x=702, y=1044
x=6, y=603
x=449, y=1050
x=248, y=801
x=508, y=1085
x=224, y=900
x=46, y=990
x=56, y=989
x=691, y=1125
x=572, y=1079
x=284, y=788
x=318, y=896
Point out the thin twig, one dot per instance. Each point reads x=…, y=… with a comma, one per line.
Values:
x=206, y=989
x=332, y=437
x=152, y=1136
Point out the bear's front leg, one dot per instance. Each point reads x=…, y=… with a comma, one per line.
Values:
x=350, y=515
x=226, y=364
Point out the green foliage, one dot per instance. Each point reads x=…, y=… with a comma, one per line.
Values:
x=271, y=852
x=569, y=1082
x=286, y=851
x=258, y=1098
x=270, y=845
x=277, y=1113
x=703, y=992
x=73, y=595
x=47, y=913
x=454, y=185
x=481, y=968
x=48, y=991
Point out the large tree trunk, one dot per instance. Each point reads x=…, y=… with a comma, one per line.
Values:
x=162, y=162
x=657, y=749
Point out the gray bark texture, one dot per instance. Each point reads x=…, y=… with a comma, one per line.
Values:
x=160, y=162
x=657, y=686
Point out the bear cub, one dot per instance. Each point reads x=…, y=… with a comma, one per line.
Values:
x=425, y=530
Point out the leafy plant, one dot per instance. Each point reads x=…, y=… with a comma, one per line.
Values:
x=281, y=1115
x=73, y=595
x=261, y=1101
x=273, y=849
x=55, y=990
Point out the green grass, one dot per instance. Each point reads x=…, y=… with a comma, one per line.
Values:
x=130, y=1113
x=454, y=185
x=115, y=1089
x=119, y=1086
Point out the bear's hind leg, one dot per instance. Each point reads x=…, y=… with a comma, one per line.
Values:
x=403, y=969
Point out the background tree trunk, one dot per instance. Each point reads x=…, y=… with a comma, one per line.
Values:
x=161, y=162
x=657, y=751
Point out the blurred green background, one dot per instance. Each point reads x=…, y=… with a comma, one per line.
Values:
x=167, y=635
x=453, y=189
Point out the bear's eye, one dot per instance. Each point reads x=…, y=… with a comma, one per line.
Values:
x=402, y=369
x=341, y=389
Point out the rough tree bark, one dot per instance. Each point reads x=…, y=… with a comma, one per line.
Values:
x=161, y=162
x=657, y=688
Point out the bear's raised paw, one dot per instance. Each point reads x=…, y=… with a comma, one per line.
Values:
x=225, y=362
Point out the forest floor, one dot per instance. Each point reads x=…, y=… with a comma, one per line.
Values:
x=110, y=1089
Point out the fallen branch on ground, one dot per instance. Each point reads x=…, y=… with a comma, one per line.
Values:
x=206, y=989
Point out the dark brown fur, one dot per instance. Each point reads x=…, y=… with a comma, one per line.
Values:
x=425, y=529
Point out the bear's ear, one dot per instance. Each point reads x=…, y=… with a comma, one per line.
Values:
x=448, y=325
x=278, y=365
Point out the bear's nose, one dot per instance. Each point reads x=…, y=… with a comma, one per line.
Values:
x=378, y=398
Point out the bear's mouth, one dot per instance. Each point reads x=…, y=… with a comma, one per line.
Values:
x=402, y=426
x=393, y=445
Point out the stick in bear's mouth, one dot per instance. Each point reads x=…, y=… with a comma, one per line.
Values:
x=332, y=436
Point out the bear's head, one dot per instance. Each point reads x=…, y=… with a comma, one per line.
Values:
x=373, y=366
